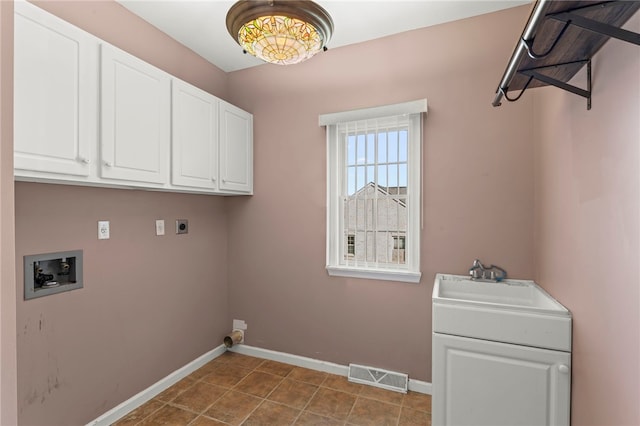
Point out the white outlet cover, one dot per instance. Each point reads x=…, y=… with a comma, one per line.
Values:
x=239, y=325
x=103, y=229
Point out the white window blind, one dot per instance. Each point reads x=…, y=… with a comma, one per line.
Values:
x=374, y=169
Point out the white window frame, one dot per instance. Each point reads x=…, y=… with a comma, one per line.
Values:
x=410, y=271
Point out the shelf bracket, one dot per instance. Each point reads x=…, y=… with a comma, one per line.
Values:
x=597, y=27
x=534, y=73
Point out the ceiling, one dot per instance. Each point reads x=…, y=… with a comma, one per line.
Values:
x=200, y=24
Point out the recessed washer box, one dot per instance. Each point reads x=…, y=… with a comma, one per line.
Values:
x=52, y=273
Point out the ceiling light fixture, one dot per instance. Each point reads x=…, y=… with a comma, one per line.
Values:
x=281, y=32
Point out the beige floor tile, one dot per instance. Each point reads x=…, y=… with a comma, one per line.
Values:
x=293, y=393
x=342, y=384
x=231, y=390
x=382, y=395
x=199, y=397
x=331, y=403
x=410, y=417
x=417, y=401
x=276, y=368
x=233, y=407
x=271, y=413
x=227, y=375
x=169, y=415
x=206, y=421
x=170, y=393
x=306, y=375
x=204, y=370
x=373, y=412
x=240, y=360
x=140, y=413
x=258, y=384
x=311, y=419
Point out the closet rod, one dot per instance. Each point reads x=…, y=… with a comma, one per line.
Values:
x=535, y=19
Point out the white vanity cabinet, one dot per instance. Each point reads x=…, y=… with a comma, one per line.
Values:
x=194, y=142
x=55, y=95
x=485, y=383
x=135, y=118
x=236, y=149
x=501, y=354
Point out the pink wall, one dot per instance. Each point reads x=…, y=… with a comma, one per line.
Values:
x=478, y=187
x=8, y=378
x=587, y=228
x=149, y=304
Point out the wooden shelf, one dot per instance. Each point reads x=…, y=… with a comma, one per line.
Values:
x=589, y=24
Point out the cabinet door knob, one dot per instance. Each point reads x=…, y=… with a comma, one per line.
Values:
x=213, y=179
x=224, y=180
x=85, y=160
x=108, y=163
x=563, y=369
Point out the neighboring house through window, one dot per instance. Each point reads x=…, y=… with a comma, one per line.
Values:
x=374, y=192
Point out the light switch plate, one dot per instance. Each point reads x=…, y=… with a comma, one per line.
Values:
x=159, y=227
x=103, y=229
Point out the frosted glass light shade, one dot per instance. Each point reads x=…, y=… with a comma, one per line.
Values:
x=280, y=32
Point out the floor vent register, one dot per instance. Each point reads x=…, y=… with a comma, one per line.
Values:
x=389, y=380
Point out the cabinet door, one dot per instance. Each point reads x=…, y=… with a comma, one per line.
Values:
x=55, y=94
x=236, y=149
x=479, y=382
x=136, y=114
x=194, y=143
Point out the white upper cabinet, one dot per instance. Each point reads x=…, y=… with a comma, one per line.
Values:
x=55, y=94
x=88, y=113
x=194, y=142
x=135, y=114
x=236, y=149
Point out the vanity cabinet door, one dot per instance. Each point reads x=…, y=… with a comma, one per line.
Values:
x=55, y=94
x=236, y=149
x=194, y=145
x=136, y=114
x=480, y=382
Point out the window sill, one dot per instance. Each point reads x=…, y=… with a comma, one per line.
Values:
x=387, y=275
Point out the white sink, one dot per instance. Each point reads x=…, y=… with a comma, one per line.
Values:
x=510, y=311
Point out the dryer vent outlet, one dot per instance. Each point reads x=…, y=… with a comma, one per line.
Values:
x=377, y=377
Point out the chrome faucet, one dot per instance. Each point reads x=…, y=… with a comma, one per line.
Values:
x=479, y=272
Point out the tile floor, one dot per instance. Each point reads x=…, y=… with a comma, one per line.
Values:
x=236, y=389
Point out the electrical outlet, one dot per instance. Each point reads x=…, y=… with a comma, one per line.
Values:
x=103, y=229
x=182, y=226
x=159, y=227
x=239, y=325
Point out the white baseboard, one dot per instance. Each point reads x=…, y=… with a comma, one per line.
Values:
x=140, y=398
x=299, y=361
x=315, y=364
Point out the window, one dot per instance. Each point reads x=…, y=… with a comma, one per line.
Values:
x=351, y=245
x=374, y=192
x=398, y=243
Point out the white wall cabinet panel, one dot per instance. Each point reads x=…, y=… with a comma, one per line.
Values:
x=88, y=113
x=135, y=114
x=236, y=149
x=56, y=94
x=194, y=153
x=480, y=382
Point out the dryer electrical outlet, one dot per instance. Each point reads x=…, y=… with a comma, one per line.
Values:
x=182, y=226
